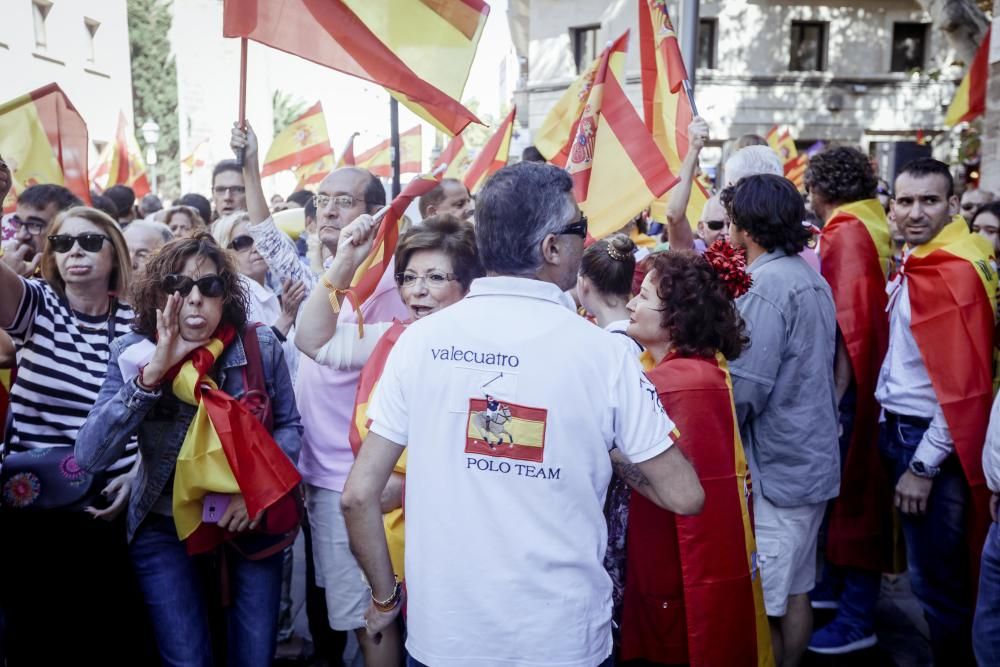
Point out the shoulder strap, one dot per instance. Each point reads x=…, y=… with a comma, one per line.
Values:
x=254, y=370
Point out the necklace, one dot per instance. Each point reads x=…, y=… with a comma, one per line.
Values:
x=84, y=326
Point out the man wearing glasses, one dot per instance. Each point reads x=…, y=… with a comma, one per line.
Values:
x=229, y=191
x=24, y=230
x=714, y=224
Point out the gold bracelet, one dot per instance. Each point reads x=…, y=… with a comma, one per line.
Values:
x=391, y=602
x=334, y=303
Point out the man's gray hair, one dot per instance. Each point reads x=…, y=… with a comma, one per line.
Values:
x=516, y=209
x=751, y=161
x=153, y=226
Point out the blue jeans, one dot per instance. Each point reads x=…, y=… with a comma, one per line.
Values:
x=986, y=627
x=176, y=594
x=936, y=546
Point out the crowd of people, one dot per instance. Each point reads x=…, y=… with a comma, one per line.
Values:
x=527, y=446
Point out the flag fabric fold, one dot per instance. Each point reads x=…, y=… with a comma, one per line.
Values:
x=121, y=163
x=347, y=156
x=378, y=158
x=303, y=142
x=456, y=156
x=421, y=51
x=44, y=139
x=969, y=102
x=493, y=156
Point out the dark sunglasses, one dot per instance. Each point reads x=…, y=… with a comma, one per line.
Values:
x=715, y=225
x=241, y=243
x=212, y=285
x=578, y=228
x=90, y=242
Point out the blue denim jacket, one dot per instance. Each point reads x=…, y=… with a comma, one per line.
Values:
x=161, y=421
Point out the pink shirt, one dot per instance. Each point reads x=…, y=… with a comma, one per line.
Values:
x=326, y=397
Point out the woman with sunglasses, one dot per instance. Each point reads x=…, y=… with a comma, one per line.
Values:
x=63, y=326
x=190, y=345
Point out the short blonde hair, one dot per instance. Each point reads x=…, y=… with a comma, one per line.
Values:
x=191, y=212
x=121, y=271
x=222, y=230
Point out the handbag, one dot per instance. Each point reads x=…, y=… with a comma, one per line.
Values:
x=48, y=478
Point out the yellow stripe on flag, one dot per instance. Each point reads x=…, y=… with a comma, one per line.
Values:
x=303, y=142
x=26, y=147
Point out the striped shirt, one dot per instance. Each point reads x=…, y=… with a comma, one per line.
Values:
x=62, y=358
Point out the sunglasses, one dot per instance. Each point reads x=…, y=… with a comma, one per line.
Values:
x=578, y=228
x=241, y=243
x=715, y=225
x=90, y=242
x=211, y=286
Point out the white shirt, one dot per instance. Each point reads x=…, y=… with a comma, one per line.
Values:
x=620, y=329
x=263, y=306
x=905, y=388
x=991, y=451
x=347, y=351
x=505, y=532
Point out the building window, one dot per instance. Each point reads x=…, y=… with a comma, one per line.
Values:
x=808, y=53
x=40, y=11
x=909, y=46
x=584, y=46
x=91, y=34
x=706, y=43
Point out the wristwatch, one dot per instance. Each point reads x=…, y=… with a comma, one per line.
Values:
x=921, y=469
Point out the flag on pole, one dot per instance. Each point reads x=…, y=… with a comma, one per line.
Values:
x=195, y=159
x=44, y=140
x=616, y=167
x=347, y=156
x=378, y=158
x=311, y=174
x=303, y=142
x=554, y=137
x=969, y=102
x=121, y=163
x=456, y=156
x=665, y=103
x=493, y=155
x=421, y=51
x=794, y=165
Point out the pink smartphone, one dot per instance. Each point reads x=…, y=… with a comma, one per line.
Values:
x=214, y=506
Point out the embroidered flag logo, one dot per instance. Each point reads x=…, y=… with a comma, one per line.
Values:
x=506, y=430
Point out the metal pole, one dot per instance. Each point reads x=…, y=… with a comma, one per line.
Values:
x=152, y=173
x=689, y=38
x=394, y=129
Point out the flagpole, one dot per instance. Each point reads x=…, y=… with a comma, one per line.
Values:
x=240, y=155
x=394, y=130
x=689, y=47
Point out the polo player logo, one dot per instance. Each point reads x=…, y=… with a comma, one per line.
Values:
x=506, y=430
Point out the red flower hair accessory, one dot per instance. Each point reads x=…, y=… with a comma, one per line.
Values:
x=731, y=266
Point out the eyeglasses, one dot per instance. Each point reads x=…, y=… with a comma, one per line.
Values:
x=241, y=243
x=34, y=226
x=715, y=225
x=233, y=189
x=578, y=228
x=211, y=285
x=342, y=201
x=433, y=280
x=90, y=242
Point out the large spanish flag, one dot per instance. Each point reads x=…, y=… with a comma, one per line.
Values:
x=952, y=287
x=554, y=137
x=970, y=97
x=420, y=50
x=44, y=140
x=456, y=156
x=665, y=103
x=616, y=167
x=303, y=142
x=493, y=155
x=856, y=252
x=121, y=163
x=311, y=174
x=689, y=576
x=378, y=158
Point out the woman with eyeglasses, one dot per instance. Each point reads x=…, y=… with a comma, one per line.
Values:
x=186, y=363
x=63, y=326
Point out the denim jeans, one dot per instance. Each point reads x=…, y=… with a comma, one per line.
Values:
x=175, y=590
x=986, y=628
x=936, y=546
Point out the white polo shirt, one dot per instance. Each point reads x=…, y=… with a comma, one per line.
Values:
x=509, y=403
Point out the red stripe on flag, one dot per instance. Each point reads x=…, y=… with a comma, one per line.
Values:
x=978, y=75
x=488, y=161
x=307, y=155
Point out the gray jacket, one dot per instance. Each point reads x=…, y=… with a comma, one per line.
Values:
x=161, y=421
x=783, y=382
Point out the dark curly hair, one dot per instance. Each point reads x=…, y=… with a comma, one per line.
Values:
x=697, y=312
x=770, y=210
x=148, y=293
x=841, y=175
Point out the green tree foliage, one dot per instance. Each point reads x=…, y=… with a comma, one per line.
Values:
x=154, y=85
x=286, y=109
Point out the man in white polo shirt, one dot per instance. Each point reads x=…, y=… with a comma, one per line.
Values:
x=509, y=404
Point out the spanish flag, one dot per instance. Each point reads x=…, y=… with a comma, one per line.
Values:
x=969, y=102
x=378, y=158
x=347, y=156
x=303, y=142
x=952, y=285
x=616, y=167
x=121, y=163
x=420, y=50
x=689, y=576
x=493, y=155
x=313, y=173
x=856, y=253
x=195, y=159
x=794, y=164
x=456, y=156
x=665, y=103
x=554, y=137
x=369, y=273
x=44, y=140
